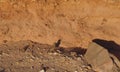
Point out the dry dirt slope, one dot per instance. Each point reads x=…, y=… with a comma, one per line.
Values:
x=76, y=22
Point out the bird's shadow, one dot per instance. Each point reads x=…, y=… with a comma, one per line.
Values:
x=77, y=50
x=111, y=46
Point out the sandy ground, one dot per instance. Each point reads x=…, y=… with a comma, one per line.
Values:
x=75, y=22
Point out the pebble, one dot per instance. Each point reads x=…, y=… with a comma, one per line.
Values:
x=55, y=53
x=42, y=71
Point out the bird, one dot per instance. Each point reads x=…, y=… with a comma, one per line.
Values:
x=57, y=44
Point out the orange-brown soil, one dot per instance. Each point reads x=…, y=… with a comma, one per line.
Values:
x=75, y=22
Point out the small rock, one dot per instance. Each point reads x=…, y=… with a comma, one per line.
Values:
x=42, y=71
x=2, y=70
x=99, y=58
x=55, y=53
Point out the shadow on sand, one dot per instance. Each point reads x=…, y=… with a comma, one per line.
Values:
x=111, y=46
x=77, y=50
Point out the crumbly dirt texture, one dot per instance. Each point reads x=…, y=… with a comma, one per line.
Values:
x=28, y=56
x=76, y=22
x=29, y=30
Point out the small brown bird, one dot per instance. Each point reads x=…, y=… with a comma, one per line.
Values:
x=57, y=44
x=55, y=47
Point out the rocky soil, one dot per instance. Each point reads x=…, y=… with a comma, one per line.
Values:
x=28, y=56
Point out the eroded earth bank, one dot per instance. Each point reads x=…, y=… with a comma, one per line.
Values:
x=59, y=36
x=76, y=22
